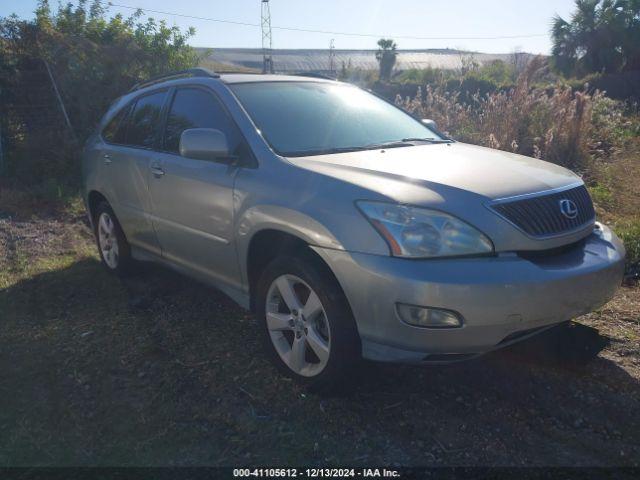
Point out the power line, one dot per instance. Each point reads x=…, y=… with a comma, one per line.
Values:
x=328, y=32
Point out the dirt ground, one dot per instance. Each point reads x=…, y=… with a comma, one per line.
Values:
x=159, y=370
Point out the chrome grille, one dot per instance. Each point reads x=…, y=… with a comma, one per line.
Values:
x=541, y=216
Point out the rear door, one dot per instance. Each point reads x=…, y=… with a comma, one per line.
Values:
x=127, y=157
x=192, y=200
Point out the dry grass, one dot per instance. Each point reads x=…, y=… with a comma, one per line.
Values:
x=615, y=190
x=556, y=124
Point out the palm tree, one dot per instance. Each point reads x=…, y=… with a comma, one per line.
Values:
x=600, y=37
x=631, y=38
x=386, y=56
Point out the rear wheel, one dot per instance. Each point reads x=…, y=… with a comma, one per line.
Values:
x=113, y=247
x=308, y=326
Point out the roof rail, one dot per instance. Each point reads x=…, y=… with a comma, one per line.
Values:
x=243, y=72
x=314, y=75
x=191, y=72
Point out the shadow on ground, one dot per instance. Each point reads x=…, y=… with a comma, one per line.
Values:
x=159, y=370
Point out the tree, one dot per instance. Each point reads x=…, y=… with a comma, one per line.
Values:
x=601, y=36
x=94, y=58
x=386, y=56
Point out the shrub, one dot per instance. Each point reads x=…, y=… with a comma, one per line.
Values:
x=356, y=75
x=497, y=72
x=475, y=79
x=425, y=76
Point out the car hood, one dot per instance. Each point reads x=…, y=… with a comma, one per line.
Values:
x=484, y=171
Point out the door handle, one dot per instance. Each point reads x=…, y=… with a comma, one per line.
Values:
x=157, y=171
x=107, y=158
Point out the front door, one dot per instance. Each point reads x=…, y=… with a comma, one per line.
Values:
x=192, y=200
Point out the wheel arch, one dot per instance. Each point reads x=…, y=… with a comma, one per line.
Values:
x=94, y=198
x=268, y=243
x=271, y=226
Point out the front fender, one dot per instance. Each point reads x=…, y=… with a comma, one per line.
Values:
x=274, y=217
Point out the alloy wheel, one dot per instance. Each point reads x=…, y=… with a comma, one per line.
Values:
x=298, y=325
x=107, y=240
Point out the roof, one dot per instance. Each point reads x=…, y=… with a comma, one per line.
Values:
x=184, y=76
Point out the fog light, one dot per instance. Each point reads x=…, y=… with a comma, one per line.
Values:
x=428, y=317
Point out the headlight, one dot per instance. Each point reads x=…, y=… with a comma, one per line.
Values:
x=420, y=232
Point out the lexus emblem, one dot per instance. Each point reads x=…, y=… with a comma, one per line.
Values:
x=568, y=208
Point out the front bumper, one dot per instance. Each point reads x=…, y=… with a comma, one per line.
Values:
x=497, y=296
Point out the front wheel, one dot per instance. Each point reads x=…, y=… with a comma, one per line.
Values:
x=308, y=326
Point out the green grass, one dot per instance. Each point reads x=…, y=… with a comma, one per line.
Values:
x=629, y=233
x=602, y=195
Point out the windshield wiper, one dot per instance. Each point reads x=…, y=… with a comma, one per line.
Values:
x=326, y=151
x=391, y=144
x=430, y=140
x=329, y=151
x=405, y=142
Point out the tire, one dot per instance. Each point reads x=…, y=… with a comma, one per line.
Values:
x=332, y=348
x=113, y=248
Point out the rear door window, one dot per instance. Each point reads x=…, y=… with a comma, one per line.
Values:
x=144, y=124
x=115, y=130
x=197, y=108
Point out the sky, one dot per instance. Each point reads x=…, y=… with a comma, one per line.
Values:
x=457, y=20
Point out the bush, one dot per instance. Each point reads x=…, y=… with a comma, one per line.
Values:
x=356, y=75
x=425, y=76
x=485, y=79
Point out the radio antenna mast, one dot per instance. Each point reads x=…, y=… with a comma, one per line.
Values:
x=267, y=61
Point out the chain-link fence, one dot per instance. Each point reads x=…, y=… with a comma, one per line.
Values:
x=37, y=138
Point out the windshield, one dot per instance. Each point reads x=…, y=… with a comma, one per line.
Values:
x=311, y=118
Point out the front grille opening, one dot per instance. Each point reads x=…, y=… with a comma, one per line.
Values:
x=551, y=253
x=541, y=216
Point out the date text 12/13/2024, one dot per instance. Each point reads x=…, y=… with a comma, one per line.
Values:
x=315, y=473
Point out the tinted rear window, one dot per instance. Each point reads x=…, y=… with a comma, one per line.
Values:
x=144, y=124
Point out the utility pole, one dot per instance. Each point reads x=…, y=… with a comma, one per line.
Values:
x=267, y=61
x=332, y=57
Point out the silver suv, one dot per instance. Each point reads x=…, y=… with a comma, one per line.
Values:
x=350, y=228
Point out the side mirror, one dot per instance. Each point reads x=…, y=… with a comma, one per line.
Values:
x=430, y=123
x=204, y=144
x=433, y=126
